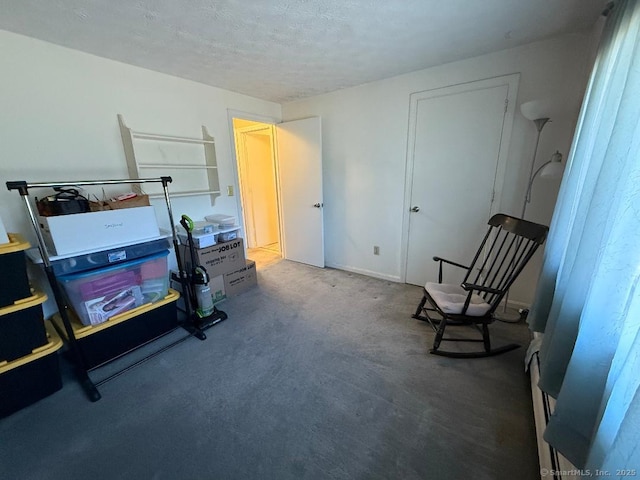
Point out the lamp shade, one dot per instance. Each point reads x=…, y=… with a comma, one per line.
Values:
x=553, y=168
x=536, y=109
x=552, y=171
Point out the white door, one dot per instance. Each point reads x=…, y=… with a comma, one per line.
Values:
x=457, y=150
x=299, y=147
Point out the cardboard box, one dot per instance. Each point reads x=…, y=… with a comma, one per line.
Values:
x=241, y=280
x=216, y=284
x=137, y=201
x=218, y=293
x=65, y=234
x=217, y=259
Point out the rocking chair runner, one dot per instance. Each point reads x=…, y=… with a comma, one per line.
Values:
x=505, y=250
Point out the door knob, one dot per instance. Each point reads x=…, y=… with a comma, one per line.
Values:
x=415, y=209
x=317, y=205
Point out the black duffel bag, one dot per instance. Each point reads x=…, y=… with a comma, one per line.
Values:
x=66, y=201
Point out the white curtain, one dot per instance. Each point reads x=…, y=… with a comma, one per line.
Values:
x=588, y=297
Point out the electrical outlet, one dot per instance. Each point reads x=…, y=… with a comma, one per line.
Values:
x=376, y=250
x=230, y=190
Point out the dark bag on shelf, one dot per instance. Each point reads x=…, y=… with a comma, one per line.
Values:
x=65, y=202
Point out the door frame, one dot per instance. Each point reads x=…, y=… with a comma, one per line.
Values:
x=240, y=143
x=511, y=81
x=275, y=123
x=241, y=115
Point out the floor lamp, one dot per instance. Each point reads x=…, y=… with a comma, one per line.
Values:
x=536, y=112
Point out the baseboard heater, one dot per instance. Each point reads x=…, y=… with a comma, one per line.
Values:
x=552, y=464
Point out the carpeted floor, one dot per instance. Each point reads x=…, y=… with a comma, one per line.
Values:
x=264, y=257
x=317, y=373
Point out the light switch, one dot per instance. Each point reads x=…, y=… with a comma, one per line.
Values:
x=230, y=190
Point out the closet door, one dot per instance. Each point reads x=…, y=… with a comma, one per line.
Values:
x=457, y=151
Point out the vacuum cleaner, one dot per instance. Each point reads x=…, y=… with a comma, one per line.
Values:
x=202, y=312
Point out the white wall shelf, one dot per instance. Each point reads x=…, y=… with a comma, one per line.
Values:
x=188, y=193
x=168, y=165
x=194, y=172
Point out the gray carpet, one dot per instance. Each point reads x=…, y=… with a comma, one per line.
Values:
x=317, y=373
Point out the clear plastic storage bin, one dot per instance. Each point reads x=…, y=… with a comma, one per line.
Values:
x=98, y=295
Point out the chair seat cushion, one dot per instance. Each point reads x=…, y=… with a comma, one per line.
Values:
x=450, y=298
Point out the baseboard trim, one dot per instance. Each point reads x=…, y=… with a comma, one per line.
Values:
x=362, y=271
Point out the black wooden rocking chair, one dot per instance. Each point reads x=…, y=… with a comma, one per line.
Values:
x=505, y=250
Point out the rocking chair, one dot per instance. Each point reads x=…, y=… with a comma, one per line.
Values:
x=505, y=250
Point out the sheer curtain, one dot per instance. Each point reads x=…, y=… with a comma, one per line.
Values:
x=588, y=297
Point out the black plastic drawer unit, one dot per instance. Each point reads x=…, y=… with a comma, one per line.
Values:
x=30, y=378
x=15, y=284
x=124, y=332
x=22, y=327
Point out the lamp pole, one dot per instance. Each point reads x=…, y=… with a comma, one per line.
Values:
x=504, y=316
x=556, y=157
x=540, y=123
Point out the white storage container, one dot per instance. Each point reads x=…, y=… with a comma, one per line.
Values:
x=199, y=228
x=228, y=236
x=223, y=221
x=200, y=240
x=204, y=227
x=67, y=234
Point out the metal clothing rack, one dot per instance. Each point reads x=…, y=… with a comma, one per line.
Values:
x=82, y=370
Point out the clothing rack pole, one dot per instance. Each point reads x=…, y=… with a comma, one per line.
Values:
x=183, y=277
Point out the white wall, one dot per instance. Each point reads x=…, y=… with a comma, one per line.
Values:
x=59, y=111
x=58, y=121
x=365, y=139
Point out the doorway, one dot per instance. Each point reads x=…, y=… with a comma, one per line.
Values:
x=279, y=189
x=258, y=190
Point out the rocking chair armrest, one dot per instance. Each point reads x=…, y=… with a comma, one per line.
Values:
x=444, y=260
x=470, y=286
x=440, y=259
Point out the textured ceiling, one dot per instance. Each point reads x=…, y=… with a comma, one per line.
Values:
x=282, y=50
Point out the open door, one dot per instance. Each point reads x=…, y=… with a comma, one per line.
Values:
x=299, y=156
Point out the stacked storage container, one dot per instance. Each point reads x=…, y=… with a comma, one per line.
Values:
x=97, y=295
x=230, y=272
x=29, y=368
x=118, y=307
